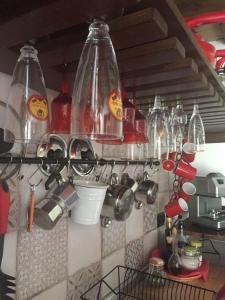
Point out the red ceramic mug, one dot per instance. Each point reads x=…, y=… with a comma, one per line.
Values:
x=175, y=208
x=187, y=190
x=168, y=165
x=184, y=169
x=188, y=152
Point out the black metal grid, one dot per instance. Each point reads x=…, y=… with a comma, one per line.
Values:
x=134, y=284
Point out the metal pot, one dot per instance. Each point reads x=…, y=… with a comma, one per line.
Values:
x=118, y=201
x=147, y=190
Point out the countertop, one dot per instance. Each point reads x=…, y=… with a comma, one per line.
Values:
x=203, y=232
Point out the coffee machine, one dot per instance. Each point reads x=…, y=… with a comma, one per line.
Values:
x=205, y=207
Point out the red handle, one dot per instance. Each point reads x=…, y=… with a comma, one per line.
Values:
x=206, y=18
x=4, y=207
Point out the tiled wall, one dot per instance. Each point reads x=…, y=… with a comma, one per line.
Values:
x=66, y=261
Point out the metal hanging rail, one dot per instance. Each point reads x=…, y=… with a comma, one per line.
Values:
x=64, y=161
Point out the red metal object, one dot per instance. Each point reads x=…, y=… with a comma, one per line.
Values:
x=209, y=49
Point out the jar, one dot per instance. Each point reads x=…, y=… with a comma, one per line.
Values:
x=190, y=258
x=156, y=269
x=198, y=246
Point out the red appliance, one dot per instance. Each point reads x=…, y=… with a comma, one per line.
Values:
x=61, y=110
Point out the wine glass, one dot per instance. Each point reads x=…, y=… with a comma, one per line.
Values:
x=196, y=131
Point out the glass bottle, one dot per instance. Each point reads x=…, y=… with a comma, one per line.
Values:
x=196, y=131
x=181, y=238
x=27, y=114
x=158, y=132
x=97, y=110
x=168, y=240
x=174, y=263
x=61, y=110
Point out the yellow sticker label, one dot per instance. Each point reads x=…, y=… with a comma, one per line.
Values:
x=38, y=107
x=115, y=106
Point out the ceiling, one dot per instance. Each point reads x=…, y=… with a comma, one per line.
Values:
x=156, y=52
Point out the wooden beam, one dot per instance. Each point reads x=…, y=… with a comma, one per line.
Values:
x=57, y=16
x=219, y=103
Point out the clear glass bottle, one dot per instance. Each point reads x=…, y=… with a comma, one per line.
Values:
x=156, y=269
x=97, y=110
x=181, y=238
x=158, y=132
x=174, y=263
x=196, y=131
x=27, y=110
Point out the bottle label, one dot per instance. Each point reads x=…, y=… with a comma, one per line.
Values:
x=38, y=107
x=115, y=106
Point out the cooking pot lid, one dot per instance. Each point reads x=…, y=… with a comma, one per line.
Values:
x=124, y=203
x=56, y=148
x=81, y=149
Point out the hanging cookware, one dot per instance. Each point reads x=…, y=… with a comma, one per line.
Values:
x=119, y=200
x=147, y=190
x=81, y=149
x=60, y=200
x=56, y=148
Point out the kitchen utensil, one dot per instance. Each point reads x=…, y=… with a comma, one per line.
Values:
x=128, y=181
x=49, y=210
x=147, y=190
x=27, y=97
x=175, y=208
x=7, y=282
x=81, y=149
x=91, y=196
x=119, y=200
x=174, y=263
x=97, y=109
x=55, y=148
x=196, y=131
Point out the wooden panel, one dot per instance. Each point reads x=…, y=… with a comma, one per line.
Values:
x=57, y=16
x=219, y=103
x=127, y=31
x=174, y=71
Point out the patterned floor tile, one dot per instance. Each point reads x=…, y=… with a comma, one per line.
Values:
x=134, y=254
x=150, y=218
x=82, y=280
x=42, y=259
x=113, y=237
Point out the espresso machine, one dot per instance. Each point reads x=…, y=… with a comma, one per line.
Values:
x=205, y=207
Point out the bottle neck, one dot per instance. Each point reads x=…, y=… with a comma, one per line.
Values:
x=195, y=109
x=157, y=102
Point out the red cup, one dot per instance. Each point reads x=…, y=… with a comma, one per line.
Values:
x=173, y=156
x=184, y=169
x=187, y=190
x=168, y=165
x=173, y=209
x=188, y=152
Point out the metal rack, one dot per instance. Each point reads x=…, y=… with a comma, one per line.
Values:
x=135, y=284
x=64, y=161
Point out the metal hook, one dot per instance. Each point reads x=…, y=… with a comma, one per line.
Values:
x=126, y=166
x=32, y=185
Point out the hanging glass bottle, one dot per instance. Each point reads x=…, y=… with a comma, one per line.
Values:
x=27, y=112
x=196, y=131
x=158, y=132
x=97, y=110
x=61, y=110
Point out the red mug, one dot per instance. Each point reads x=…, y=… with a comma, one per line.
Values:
x=184, y=169
x=188, y=152
x=168, y=165
x=173, y=155
x=173, y=209
x=187, y=190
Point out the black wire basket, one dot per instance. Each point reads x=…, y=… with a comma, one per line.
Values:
x=124, y=283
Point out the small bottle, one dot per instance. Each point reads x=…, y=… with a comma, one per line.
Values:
x=174, y=263
x=168, y=240
x=181, y=238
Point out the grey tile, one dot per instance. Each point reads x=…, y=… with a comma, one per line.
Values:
x=14, y=203
x=42, y=259
x=134, y=254
x=113, y=237
x=82, y=280
x=150, y=217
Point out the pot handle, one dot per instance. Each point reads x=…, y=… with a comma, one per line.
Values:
x=114, y=179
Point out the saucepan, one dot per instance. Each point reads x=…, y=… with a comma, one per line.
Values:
x=147, y=190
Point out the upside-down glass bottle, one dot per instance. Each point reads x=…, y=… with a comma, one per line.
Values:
x=97, y=110
x=196, y=131
x=27, y=110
